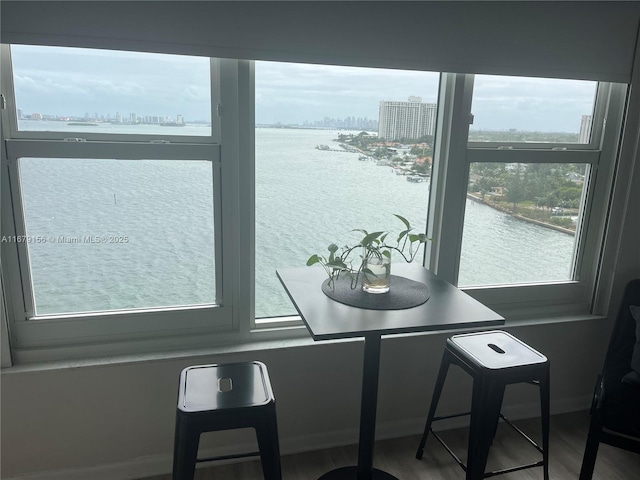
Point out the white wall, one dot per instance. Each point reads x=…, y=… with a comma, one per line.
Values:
x=116, y=421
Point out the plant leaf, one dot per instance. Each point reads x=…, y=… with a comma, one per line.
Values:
x=368, y=239
x=313, y=259
x=404, y=220
x=337, y=263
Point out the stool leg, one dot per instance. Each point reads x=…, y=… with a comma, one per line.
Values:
x=267, y=434
x=499, y=406
x=185, y=450
x=437, y=391
x=544, y=409
x=485, y=414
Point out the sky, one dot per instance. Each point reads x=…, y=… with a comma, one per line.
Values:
x=74, y=81
x=66, y=81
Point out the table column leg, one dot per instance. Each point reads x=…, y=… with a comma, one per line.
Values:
x=368, y=405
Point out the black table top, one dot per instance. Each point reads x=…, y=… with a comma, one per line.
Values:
x=447, y=308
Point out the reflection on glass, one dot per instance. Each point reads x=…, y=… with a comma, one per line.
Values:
x=520, y=223
x=118, y=234
x=103, y=91
x=518, y=109
x=329, y=172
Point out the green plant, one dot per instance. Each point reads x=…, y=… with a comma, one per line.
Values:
x=373, y=245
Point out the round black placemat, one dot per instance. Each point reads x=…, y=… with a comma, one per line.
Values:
x=404, y=293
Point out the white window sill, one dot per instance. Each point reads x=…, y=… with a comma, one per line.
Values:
x=261, y=340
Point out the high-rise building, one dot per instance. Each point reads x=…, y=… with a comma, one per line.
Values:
x=412, y=119
x=585, y=129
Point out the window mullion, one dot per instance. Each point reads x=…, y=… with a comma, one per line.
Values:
x=230, y=191
x=132, y=150
x=247, y=181
x=598, y=203
x=9, y=117
x=449, y=179
x=20, y=269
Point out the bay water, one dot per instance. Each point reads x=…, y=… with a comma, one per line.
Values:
x=121, y=234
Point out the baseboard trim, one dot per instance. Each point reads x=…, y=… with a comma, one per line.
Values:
x=161, y=464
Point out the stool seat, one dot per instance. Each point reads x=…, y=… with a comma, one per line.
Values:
x=496, y=350
x=224, y=397
x=494, y=360
x=216, y=387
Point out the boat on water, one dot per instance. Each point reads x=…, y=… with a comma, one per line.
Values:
x=416, y=178
x=82, y=124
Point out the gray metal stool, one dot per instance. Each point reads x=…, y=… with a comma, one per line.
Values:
x=225, y=397
x=494, y=360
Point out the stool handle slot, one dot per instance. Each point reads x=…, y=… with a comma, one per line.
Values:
x=225, y=385
x=495, y=348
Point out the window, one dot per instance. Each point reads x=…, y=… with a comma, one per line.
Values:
x=521, y=213
x=110, y=234
x=133, y=223
x=532, y=209
x=521, y=222
x=326, y=166
x=531, y=110
x=112, y=223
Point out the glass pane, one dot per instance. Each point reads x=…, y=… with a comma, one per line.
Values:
x=520, y=223
x=322, y=170
x=118, y=234
x=85, y=90
x=518, y=109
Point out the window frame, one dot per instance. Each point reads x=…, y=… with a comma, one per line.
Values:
x=451, y=177
x=36, y=337
x=232, y=144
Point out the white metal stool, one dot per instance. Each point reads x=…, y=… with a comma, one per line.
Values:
x=494, y=360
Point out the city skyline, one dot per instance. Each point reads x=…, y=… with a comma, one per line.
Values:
x=349, y=123
x=71, y=81
x=130, y=118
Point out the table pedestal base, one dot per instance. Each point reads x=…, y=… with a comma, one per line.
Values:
x=351, y=473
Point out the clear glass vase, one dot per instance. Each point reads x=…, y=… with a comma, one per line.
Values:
x=376, y=275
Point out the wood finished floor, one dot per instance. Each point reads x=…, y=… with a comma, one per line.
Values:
x=397, y=456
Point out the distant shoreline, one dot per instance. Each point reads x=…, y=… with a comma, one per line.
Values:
x=478, y=199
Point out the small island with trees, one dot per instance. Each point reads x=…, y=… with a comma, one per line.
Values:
x=406, y=156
